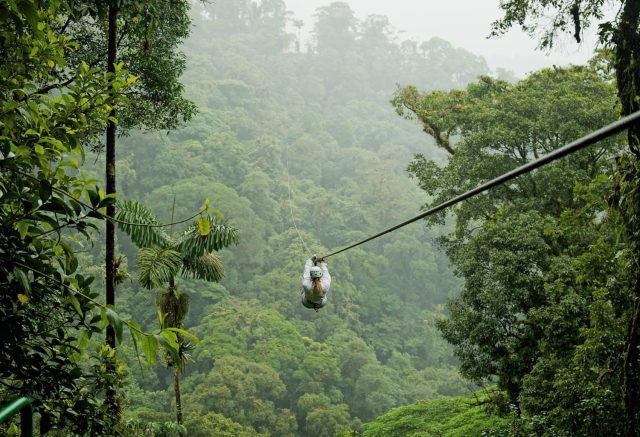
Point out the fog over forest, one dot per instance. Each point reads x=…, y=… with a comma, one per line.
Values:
x=465, y=24
x=319, y=123
x=299, y=129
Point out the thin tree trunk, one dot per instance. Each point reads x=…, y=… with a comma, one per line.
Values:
x=111, y=180
x=111, y=395
x=173, y=319
x=176, y=390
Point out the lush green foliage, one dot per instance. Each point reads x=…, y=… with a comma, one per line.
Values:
x=546, y=263
x=161, y=258
x=302, y=145
x=452, y=417
x=621, y=34
x=147, y=39
x=55, y=101
x=265, y=362
x=46, y=305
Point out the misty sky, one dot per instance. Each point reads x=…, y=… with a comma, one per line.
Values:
x=466, y=24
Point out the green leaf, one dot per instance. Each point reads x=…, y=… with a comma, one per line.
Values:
x=82, y=343
x=160, y=315
x=94, y=197
x=30, y=12
x=44, y=190
x=22, y=279
x=157, y=266
x=149, y=345
x=208, y=267
x=171, y=337
x=192, y=245
x=170, y=347
x=115, y=322
x=23, y=298
x=58, y=250
x=132, y=218
x=71, y=264
x=73, y=300
x=23, y=228
x=135, y=335
x=184, y=334
x=203, y=226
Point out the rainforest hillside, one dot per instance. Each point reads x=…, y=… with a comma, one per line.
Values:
x=287, y=138
x=167, y=167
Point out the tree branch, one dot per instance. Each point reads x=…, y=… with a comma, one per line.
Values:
x=48, y=88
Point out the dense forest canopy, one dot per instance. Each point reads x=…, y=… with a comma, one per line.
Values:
x=276, y=123
x=523, y=291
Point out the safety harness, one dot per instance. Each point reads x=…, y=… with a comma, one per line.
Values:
x=315, y=263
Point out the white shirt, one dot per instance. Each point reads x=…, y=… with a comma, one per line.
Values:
x=307, y=283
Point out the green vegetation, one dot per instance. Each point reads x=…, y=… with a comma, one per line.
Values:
x=545, y=268
x=47, y=307
x=621, y=34
x=532, y=284
x=55, y=105
x=549, y=305
x=510, y=260
x=161, y=258
x=452, y=417
x=271, y=118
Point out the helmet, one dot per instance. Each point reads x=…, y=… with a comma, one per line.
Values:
x=315, y=272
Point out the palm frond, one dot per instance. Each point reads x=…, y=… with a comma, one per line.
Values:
x=192, y=245
x=135, y=219
x=208, y=267
x=157, y=266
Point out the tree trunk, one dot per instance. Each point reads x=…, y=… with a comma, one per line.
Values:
x=174, y=309
x=176, y=390
x=111, y=395
x=627, y=59
x=631, y=371
x=111, y=180
x=627, y=42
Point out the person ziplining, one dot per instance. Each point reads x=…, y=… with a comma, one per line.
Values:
x=316, y=281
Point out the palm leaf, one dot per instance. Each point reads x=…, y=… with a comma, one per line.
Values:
x=138, y=223
x=192, y=245
x=208, y=267
x=157, y=265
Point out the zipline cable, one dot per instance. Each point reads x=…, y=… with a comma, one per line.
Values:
x=291, y=201
x=585, y=141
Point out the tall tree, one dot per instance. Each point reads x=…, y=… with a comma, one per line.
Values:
x=622, y=33
x=502, y=245
x=142, y=38
x=50, y=111
x=110, y=172
x=334, y=37
x=161, y=258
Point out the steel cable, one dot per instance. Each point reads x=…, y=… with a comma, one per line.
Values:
x=563, y=151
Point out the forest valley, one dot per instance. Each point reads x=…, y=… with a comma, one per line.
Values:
x=166, y=168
